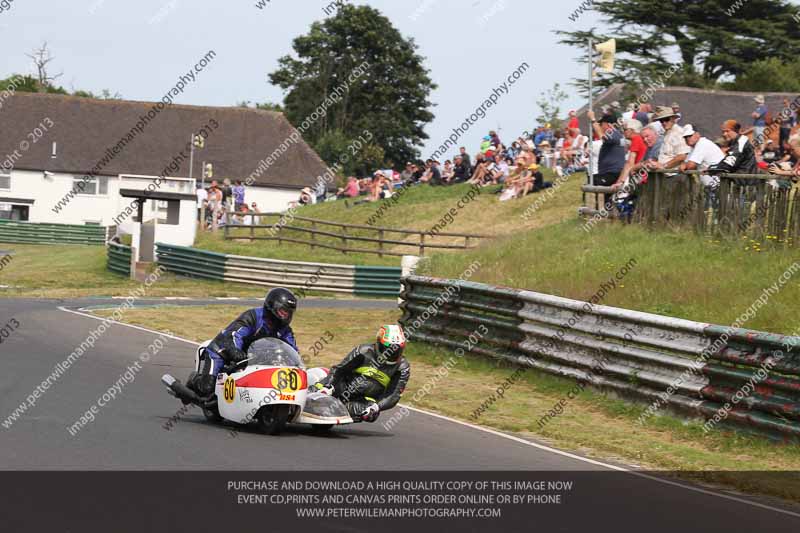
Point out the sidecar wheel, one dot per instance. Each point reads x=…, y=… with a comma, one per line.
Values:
x=271, y=419
x=212, y=415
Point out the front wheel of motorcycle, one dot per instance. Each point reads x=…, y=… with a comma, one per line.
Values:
x=271, y=419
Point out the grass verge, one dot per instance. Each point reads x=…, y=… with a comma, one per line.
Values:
x=420, y=208
x=677, y=273
x=593, y=424
x=72, y=271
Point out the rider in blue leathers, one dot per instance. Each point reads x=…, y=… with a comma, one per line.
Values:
x=230, y=345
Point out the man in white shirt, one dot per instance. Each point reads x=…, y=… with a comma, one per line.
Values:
x=202, y=197
x=704, y=155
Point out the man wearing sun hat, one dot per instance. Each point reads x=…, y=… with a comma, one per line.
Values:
x=674, y=149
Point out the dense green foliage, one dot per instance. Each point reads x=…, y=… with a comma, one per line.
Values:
x=770, y=75
x=390, y=99
x=710, y=40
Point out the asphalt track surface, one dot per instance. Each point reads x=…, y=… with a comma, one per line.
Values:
x=128, y=433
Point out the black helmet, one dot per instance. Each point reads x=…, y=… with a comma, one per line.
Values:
x=279, y=306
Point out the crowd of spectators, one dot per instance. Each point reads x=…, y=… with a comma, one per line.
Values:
x=220, y=205
x=512, y=170
x=624, y=147
x=629, y=146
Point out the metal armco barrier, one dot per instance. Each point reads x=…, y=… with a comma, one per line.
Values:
x=642, y=355
x=358, y=280
x=34, y=233
x=119, y=258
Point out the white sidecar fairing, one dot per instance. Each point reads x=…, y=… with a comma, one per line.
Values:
x=242, y=394
x=324, y=410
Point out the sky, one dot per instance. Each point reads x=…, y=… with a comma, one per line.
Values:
x=139, y=49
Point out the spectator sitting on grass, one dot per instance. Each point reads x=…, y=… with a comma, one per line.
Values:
x=538, y=179
x=419, y=171
x=239, y=219
x=515, y=182
x=546, y=153
x=433, y=175
x=465, y=157
x=306, y=196
x=577, y=144
x=448, y=172
x=479, y=172
x=499, y=173
x=528, y=156
x=495, y=139
x=350, y=190
x=408, y=174
x=376, y=186
x=461, y=170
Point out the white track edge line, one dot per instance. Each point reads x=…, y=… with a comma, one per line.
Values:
x=609, y=466
x=87, y=315
x=513, y=438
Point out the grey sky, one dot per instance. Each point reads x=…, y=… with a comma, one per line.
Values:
x=139, y=49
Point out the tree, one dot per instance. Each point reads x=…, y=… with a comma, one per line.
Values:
x=24, y=83
x=549, y=103
x=387, y=86
x=770, y=75
x=266, y=106
x=105, y=94
x=42, y=57
x=335, y=143
x=711, y=40
x=43, y=81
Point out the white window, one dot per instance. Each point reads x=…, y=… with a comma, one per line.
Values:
x=5, y=181
x=95, y=186
x=162, y=206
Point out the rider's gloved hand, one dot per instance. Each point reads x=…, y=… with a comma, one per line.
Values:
x=370, y=414
x=319, y=387
x=237, y=356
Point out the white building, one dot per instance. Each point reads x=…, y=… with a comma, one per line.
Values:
x=71, y=160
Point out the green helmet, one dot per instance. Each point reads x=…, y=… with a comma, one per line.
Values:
x=391, y=342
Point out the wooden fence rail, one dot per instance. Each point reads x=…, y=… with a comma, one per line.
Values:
x=284, y=224
x=742, y=205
